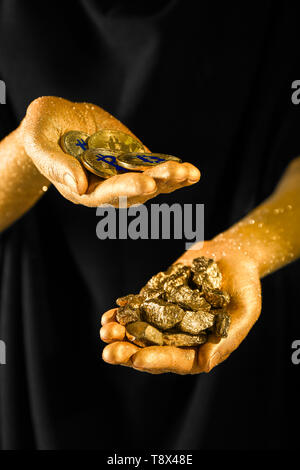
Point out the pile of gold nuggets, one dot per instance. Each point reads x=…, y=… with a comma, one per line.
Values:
x=177, y=307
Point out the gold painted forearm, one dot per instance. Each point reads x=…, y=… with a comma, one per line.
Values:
x=21, y=184
x=270, y=234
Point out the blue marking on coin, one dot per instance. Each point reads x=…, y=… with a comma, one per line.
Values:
x=149, y=159
x=111, y=160
x=82, y=144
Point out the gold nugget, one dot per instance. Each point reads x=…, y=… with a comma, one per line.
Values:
x=162, y=314
x=181, y=339
x=143, y=334
x=194, y=322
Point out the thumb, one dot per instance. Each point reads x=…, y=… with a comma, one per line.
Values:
x=54, y=164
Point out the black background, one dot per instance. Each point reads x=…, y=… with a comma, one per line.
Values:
x=211, y=85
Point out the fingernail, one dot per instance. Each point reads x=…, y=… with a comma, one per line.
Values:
x=70, y=182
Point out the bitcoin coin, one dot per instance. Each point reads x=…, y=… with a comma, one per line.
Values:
x=74, y=143
x=144, y=160
x=115, y=141
x=100, y=162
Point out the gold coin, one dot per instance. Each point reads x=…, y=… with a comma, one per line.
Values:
x=100, y=162
x=74, y=143
x=144, y=160
x=115, y=141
